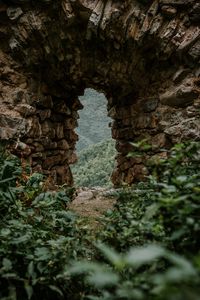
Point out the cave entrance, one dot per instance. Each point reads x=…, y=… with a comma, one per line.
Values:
x=95, y=147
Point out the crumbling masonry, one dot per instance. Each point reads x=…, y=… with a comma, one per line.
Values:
x=143, y=55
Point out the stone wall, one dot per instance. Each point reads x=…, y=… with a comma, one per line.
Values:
x=143, y=55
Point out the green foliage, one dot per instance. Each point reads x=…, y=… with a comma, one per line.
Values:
x=38, y=237
x=163, y=211
x=153, y=237
x=139, y=148
x=148, y=272
x=9, y=171
x=166, y=208
x=178, y=195
x=95, y=165
x=130, y=222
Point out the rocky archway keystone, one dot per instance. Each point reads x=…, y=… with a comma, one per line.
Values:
x=144, y=56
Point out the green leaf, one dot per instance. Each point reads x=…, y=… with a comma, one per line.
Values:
x=56, y=289
x=21, y=239
x=151, y=211
x=10, y=276
x=177, y=234
x=139, y=256
x=7, y=180
x=128, y=292
x=112, y=256
x=5, y=232
x=81, y=267
x=185, y=266
x=182, y=179
x=42, y=253
x=103, y=279
x=30, y=269
x=29, y=289
x=7, y=264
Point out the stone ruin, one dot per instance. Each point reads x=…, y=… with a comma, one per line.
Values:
x=142, y=54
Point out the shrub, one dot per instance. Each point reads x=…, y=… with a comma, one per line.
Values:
x=46, y=251
x=38, y=237
x=163, y=211
x=149, y=272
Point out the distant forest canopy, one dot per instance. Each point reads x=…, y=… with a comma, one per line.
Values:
x=93, y=123
x=95, y=165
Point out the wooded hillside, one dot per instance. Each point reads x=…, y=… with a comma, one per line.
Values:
x=95, y=165
x=93, y=122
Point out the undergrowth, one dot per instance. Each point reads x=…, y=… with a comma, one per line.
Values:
x=38, y=236
x=148, y=247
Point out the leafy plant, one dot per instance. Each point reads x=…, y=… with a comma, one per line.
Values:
x=177, y=188
x=152, y=233
x=148, y=272
x=38, y=237
x=166, y=208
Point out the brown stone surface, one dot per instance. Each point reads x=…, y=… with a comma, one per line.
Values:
x=144, y=56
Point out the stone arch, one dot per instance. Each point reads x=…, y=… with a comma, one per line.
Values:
x=143, y=55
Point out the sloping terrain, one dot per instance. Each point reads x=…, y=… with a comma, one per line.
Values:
x=93, y=122
x=95, y=165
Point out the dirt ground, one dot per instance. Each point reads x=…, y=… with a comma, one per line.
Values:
x=92, y=203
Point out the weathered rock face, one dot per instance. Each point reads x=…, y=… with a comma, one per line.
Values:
x=144, y=56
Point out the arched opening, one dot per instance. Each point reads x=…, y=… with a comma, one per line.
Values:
x=95, y=147
x=143, y=58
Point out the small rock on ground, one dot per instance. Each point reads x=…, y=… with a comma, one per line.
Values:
x=92, y=203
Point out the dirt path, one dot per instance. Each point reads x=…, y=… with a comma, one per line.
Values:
x=92, y=203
